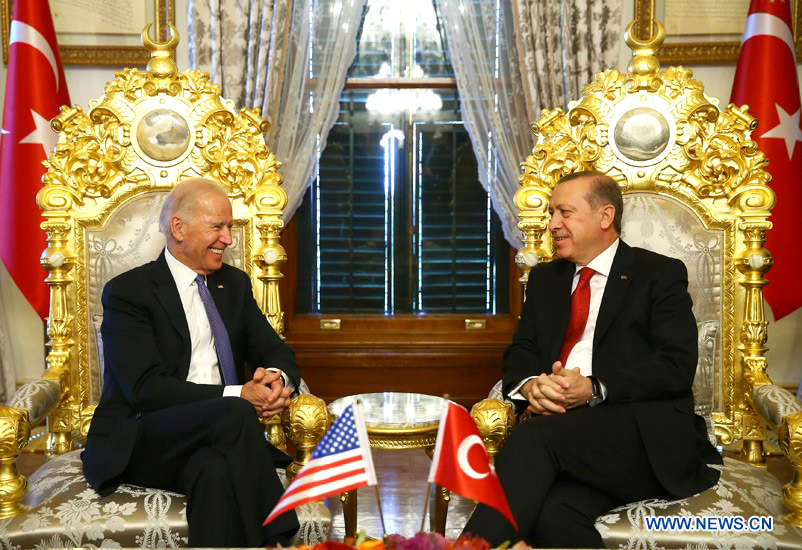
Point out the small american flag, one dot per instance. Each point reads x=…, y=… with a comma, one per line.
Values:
x=341, y=462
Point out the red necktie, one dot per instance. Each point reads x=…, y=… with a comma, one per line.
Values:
x=580, y=304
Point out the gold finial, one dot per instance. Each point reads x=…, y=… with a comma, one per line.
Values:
x=644, y=66
x=161, y=64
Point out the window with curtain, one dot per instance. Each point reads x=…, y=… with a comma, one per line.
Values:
x=396, y=220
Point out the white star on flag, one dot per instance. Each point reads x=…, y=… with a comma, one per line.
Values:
x=787, y=129
x=44, y=135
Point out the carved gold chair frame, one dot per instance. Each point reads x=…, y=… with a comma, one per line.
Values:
x=105, y=159
x=709, y=163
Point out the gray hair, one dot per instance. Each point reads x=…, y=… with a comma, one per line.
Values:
x=181, y=201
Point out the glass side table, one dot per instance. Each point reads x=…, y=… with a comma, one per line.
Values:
x=397, y=421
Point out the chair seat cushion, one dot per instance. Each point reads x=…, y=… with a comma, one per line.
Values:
x=743, y=490
x=65, y=512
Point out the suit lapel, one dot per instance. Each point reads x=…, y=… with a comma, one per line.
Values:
x=615, y=291
x=167, y=294
x=559, y=305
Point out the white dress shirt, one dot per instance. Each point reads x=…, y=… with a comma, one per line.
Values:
x=203, y=365
x=582, y=353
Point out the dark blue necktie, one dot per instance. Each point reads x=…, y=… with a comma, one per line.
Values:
x=219, y=333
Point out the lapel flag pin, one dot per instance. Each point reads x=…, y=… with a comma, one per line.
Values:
x=624, y=277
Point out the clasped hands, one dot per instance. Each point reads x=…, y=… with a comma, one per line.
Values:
x=555, y=393
x=266, y=392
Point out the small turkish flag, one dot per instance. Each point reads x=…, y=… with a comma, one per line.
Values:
x=461, y=463
x=35, y=89
x=766, y=81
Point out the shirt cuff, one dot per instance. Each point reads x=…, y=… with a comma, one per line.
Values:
x=603, y=390
x=284, y=378
x=516, y=391
x=232, y=391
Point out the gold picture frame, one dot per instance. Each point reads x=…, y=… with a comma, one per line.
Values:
x=115, y=55
x=673, y=53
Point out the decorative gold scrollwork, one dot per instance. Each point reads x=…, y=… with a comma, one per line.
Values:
x=495, y=420
x=14, y=433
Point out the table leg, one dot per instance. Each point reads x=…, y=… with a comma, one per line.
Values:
x=348, y=500
x=437, y=519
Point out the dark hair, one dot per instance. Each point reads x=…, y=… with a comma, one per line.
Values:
x=603, y=191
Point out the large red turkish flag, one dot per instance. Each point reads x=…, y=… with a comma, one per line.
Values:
x=766, y=80
x=461, y=463
x=35, y=89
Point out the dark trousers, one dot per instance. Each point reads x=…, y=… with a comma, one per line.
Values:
x=215, y=452
x=561, y=472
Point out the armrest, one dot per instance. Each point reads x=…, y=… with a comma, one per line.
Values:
x=775, y=403
x=14, y=433
x=495, y=419
x=37, y=398
x=305, y=422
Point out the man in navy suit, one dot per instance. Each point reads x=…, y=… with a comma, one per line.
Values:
x=166, y=419
x=604, y=356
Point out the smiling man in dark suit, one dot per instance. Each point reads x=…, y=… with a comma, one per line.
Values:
x=604, y=356
x=177, y=411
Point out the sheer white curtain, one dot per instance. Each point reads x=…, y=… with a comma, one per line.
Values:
x=481, y=44
x=287, y=57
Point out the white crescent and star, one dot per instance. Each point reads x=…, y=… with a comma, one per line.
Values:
x=42, y=135
x=22, y=33
x=787, y=128
x=462, y=457
x=25, y=34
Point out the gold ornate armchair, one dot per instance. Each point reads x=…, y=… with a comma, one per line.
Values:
x=695, y=188
x=101, y=198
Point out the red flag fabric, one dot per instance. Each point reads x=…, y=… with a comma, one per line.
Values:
x=461, y=463
x=766, y=80
x=340, y=462
x=35, y=89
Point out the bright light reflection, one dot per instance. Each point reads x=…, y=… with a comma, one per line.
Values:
x=388, y=101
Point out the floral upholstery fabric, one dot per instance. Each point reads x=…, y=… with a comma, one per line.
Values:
x=64, y=512
x=743, y=490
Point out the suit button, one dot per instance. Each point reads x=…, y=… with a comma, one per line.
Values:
x=138, y=416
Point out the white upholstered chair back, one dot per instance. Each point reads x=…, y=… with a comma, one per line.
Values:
x=669, y=227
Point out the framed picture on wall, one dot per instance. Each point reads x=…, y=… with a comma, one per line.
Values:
x=702, y=32
x=101, y=32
